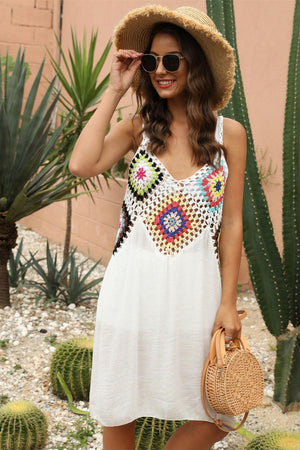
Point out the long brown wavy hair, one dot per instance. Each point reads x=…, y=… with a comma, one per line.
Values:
x=154, y=112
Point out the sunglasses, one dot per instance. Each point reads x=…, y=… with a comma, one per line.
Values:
x=171, y=62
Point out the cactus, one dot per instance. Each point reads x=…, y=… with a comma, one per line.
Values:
x=151, y=433
x=275, y=280
x=73, y=360
x=275, y=440
x=22, y=426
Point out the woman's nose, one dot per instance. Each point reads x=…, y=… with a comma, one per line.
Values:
x=160, y=67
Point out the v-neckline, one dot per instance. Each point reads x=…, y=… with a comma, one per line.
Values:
x=180, y=180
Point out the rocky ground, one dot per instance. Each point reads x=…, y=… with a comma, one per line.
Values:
x=28, y=334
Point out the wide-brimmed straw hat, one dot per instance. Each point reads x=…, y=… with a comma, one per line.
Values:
x=134, y=30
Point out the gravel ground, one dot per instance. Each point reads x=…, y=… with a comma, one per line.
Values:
x=30, y=330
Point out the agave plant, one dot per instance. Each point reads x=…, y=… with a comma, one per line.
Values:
x=17, y=268
x=29, y=180
x=275, y=280
x=79, y=78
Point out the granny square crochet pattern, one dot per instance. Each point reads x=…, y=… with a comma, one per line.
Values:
x=143, y=175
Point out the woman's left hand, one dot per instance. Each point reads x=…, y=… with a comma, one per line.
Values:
x=227, y=317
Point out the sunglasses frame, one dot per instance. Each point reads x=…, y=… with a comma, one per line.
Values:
x=158, y=57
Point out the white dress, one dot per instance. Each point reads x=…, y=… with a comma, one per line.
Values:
x=160, y=295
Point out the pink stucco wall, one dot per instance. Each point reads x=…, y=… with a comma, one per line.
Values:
x=264, y=29
x=30, y=24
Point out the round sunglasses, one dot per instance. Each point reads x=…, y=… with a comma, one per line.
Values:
x=171, y=62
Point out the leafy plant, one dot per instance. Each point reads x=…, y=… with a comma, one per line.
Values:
x=17, y=268
x=3, y=343
x=275, y=280
x=11, y=65
x=52, y=276
x=51, y=339
x=29, y=180
x=76, y=288
x=266, y=171
x=79, y=79
x=84, y=428
x=64, y=281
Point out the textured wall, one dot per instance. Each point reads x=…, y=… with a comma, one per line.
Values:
x=31, y=25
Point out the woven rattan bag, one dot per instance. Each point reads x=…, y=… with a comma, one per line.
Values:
x=232, y=379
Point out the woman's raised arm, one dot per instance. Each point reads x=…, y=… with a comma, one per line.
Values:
x=95, y=152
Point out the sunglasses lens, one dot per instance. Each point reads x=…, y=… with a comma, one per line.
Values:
x=171, y=62
x=148, y=63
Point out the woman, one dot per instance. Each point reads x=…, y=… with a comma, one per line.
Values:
x=180, y=231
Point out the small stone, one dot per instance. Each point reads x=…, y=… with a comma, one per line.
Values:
x=23, y=331
x=269, y=392
x=71, y=306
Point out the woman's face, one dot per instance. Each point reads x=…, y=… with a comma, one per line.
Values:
x=177, y=81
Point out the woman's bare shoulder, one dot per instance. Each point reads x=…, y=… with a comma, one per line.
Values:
x=233, y=131
x=234, y=140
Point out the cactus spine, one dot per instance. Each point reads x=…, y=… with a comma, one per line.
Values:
x=73, y=360
x=276, y=280
x=151, y=433
x=22, y=426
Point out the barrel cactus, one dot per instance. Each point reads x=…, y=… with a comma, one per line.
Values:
x=23, y=426
x=275, y=440
x=73, y=360
x=151, y=433
x=275, y=279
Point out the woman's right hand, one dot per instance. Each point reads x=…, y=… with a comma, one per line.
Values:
x=124, y=66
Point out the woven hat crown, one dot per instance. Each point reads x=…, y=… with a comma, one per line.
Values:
x=197, y=15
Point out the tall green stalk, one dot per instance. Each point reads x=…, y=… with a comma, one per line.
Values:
x=275, y=280
x=79, y=77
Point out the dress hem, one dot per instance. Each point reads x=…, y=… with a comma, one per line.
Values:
x=202, y=419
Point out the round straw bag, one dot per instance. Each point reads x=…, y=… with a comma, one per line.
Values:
x=232, y=379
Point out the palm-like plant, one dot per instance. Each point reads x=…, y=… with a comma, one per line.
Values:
x=29, y=180
x=82, y=92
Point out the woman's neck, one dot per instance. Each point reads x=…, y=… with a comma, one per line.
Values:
x=178, y=109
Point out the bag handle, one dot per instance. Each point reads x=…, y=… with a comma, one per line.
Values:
x=216, y=356
x=217, y=350
x=220, y=424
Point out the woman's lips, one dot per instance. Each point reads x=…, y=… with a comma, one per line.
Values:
x=165, y=83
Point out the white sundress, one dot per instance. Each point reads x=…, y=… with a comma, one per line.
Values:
x=160, y=295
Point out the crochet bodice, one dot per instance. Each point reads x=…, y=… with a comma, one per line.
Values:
x=174, y=212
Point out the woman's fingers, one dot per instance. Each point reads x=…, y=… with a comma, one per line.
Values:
x=127, y=55
x=124, y=66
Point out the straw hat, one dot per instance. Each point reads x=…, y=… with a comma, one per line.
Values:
x=134, y=30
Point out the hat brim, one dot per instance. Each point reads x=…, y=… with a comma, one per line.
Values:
x=134, y=30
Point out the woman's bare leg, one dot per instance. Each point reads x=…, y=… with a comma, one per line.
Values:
x=195, y=435
x=119, y=438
